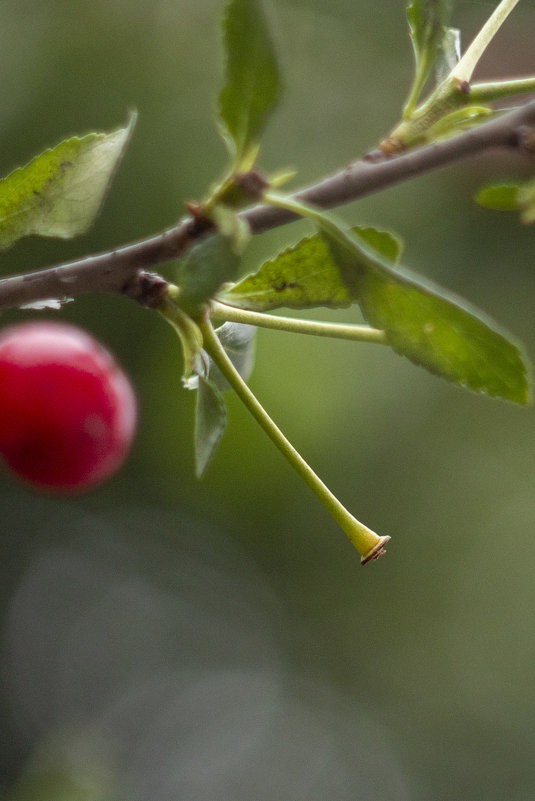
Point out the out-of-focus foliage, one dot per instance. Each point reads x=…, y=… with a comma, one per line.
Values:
x=510, y=197
x=60, y=192
x=253, y=82
x=429, y=36
x=217, y=254
x=163, y=637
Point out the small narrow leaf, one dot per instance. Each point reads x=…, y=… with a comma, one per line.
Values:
x=458, y=120
x=210, y=421
x=303, y=276
x=60, y=192
x=502, y=197
x=427, y=24
x=427, y=28
x=206, y=266
x=253, y=84
x=239, y=343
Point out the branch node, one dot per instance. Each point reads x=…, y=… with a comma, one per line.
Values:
x=252, y=183
x=199, y=224
x=379, y=153
x=523, y=138
x=148, y=289
x=463, y=87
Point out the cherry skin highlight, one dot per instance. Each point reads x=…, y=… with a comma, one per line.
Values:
x=67, y=410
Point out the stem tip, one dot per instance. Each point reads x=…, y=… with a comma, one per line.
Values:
x=375, y=552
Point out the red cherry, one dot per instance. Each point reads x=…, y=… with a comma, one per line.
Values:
x=67, y=410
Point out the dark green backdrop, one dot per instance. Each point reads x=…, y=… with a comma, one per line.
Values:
x=165, y=640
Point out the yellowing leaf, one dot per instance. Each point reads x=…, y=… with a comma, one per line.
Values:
x=303, y=276
x=60, y=192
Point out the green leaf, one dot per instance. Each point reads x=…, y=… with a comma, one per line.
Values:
x=526, y=202
x=300, y=277
x=229, y=224
x=238, y=341
x=427, y=23
x=502, y=197
x=303, y=276
x=252, y=87
x=457, y=120
x=423, y=322
x=60, y=192
x=431, y=327
x=210, y=421
x=427, y=29
x=510, y=197
x=207, y=265
x=387, y=244
x=442, y=333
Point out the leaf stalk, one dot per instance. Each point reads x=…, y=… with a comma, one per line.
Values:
x=369, y=544
x=464, y=69
x=357, y=333
x=487, y=91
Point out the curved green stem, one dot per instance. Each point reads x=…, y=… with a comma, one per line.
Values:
x=367, y=543
x=360, y=333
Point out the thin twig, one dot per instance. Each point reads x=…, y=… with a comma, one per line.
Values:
x=114, y=270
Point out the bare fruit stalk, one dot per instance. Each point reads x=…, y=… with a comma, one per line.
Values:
x=369, y=544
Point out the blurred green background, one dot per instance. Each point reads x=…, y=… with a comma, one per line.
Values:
x=169, y=640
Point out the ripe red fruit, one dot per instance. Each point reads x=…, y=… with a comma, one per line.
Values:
x=67, y=410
